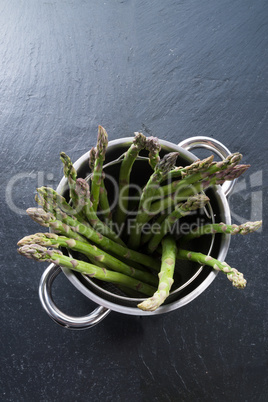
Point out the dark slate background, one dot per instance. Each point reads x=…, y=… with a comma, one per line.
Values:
x=172, y=69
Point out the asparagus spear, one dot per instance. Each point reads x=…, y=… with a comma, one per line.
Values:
x=82, y=190
x=102, y=143
x=92, y=252
x=182, y=209
x=39, y=253
x=130, y=156
x=245, y=228
x=233, y=274
x=71, y=175
x=104, y=201
x=154, y=147
x=48, y=220
x=165, y=276
x=92, y=158
x=160, y=172
x=103, y=197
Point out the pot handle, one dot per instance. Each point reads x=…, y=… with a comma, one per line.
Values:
x=55, y=314
x=213, y=145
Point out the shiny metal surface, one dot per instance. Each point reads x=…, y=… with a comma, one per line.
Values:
x=212, y=145
x=101, y=312
x=55, y=314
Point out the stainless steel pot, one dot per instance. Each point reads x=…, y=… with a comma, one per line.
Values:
x=200, y=277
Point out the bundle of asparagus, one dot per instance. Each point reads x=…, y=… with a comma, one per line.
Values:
x=142, y=258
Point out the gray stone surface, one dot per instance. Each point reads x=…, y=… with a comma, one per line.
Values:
x=171, y=69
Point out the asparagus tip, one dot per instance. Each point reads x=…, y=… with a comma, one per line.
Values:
x=153, y=302
x=167, y=162
x=37, y=252
x=139, y=140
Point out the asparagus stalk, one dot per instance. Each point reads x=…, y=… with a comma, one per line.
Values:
x=104, y=201
x=102, y=143
x=71, y=175
x=182, y=209
x=39, y=253
x=130, y=156
x=165, y=276
x=175, y=193
x=211, y=228
x=103, y=197
x=154, y=147
x=149, y=231
x=233, y=274
x=92, y=252
x=92, y=158
x=48, y=220
x=160, y=172
x=82, y=190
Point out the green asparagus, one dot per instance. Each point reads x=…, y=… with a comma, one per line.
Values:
x=130, y=156
x=40, y=253
x=233, y=274
x=211, y=228
x=71, y=175
x=103, y=196
x=92, y=252
x=83, y=193
x=197, y=166
x=154, y=147
x=96, y=179
x=165, y=276
x=48, y=220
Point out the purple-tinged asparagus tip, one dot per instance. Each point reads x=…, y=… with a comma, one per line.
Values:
x=168, y=162
x=92, y=158
x=82, y=188
x=40, y=216
x=153, y=145
x=231, y=173
x=194, y=202
x=139, y=140
x=37, y=252
x=102, y=141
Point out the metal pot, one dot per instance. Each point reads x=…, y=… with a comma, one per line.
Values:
x=198, y=279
